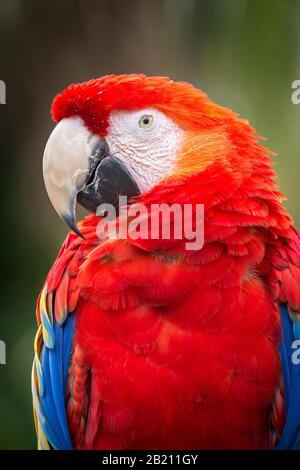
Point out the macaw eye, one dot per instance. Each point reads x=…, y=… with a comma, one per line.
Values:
x=146, y=121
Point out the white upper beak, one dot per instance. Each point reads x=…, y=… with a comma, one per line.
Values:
x=66, y=165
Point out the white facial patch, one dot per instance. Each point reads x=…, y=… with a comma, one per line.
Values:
x=146, y=141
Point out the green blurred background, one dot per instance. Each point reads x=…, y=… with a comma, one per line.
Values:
x=243, y=53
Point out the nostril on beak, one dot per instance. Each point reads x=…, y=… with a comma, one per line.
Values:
x=99, y=152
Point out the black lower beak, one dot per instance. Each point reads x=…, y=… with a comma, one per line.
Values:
x=107, y=180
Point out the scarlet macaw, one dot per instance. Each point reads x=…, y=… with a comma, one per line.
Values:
x=143, y=344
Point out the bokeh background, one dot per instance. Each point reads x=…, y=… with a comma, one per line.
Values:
x=243, y=53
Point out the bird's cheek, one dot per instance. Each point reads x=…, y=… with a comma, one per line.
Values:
x=200, y=149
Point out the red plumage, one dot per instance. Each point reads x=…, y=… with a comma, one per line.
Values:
x=177, y=349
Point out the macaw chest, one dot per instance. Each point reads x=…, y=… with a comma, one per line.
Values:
x=174, y=378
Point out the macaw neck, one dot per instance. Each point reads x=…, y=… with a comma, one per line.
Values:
x=216, y=205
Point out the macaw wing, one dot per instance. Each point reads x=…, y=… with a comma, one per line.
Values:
x=285, y=279
x=53, y=346
x=290, y=437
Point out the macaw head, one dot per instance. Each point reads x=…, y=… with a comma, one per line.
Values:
x=147, y=137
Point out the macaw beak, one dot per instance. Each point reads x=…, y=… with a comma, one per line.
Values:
x=78, y=167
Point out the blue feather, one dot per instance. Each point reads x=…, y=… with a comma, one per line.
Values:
x=55, y=364
x=290, y=438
